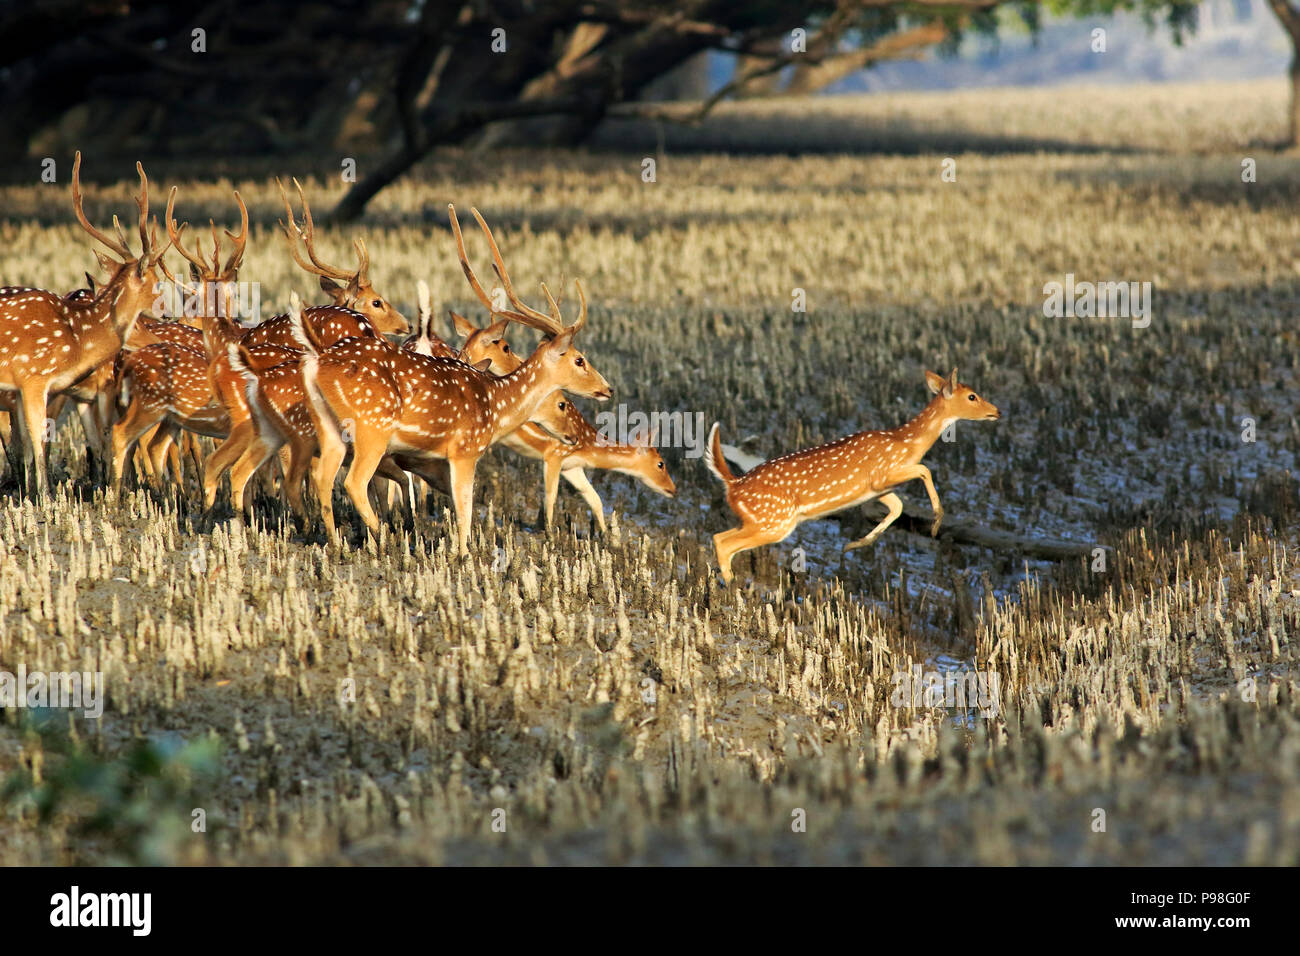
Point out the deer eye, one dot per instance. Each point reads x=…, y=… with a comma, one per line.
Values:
x=505, y=347
x=563, y=406
x=661, y=466
x=579, y=361
x=377, y=304
x=971, y=397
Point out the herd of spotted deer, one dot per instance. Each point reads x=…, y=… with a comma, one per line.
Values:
x=309, y=387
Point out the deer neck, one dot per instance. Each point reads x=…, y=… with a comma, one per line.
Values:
x=219, y=331
x=513, y=398
x=614, y=457
x=924, y=430
x=93, y=325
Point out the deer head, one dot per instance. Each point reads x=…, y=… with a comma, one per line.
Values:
x=566, y=367
x=356, y=291
x=133, y=280
x=959, y=401
x=209, y=276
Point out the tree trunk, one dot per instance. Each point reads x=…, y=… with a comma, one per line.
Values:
x=1289, y=17
x=1293, y=129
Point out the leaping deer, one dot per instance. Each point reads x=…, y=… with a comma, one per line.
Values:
x=778, y=495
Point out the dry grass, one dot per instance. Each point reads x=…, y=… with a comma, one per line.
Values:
x=527, y=689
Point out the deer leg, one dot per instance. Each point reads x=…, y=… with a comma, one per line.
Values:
x=193, y=445
x=895, y=506
x=579, y=480
x=300, y=454
x=550, y=488
x=6, y=439
x=368, y=450
x=227, y=453
x=127, y=432
x=90, y=428
x=461, y=473
x=332, y=452
x=436, y=473
x=401, y=483
x=912, y=472
x=34, y=398
x=162, y=451
x=728, y=544
x=257, y=453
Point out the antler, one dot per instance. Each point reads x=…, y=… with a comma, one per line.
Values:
x=210, y=271
x=239, y=241
x=549, y=324
x=174, y=234
x=473, y=279
x=307, y=234
x=363, y=257
x=582, y=306
x=142, y=203
x=119, y=246
x=552, y=324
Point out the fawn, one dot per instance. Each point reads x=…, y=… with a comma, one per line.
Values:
x=778, y=495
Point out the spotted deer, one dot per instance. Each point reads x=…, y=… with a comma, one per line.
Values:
x=171, y=383
x=775, y=497
x=427, y=409
x=49, y=343
x=357, y=292
x=281, y=416
x=586, y=448
x=359, y=312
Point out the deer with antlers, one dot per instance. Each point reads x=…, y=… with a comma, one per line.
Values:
x=586, y=448
x=171, y=384
x=357, y=292
x=358, y=312
x=281, y=416
x=775, y=497
x=426, y=409
x=48, y=342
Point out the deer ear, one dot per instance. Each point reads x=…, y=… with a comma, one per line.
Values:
x=562, y=342
x=484, y=365
x=936, y=382
x=463, y=325
x=497, y=329
x=90, y=281
x=333, y=290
